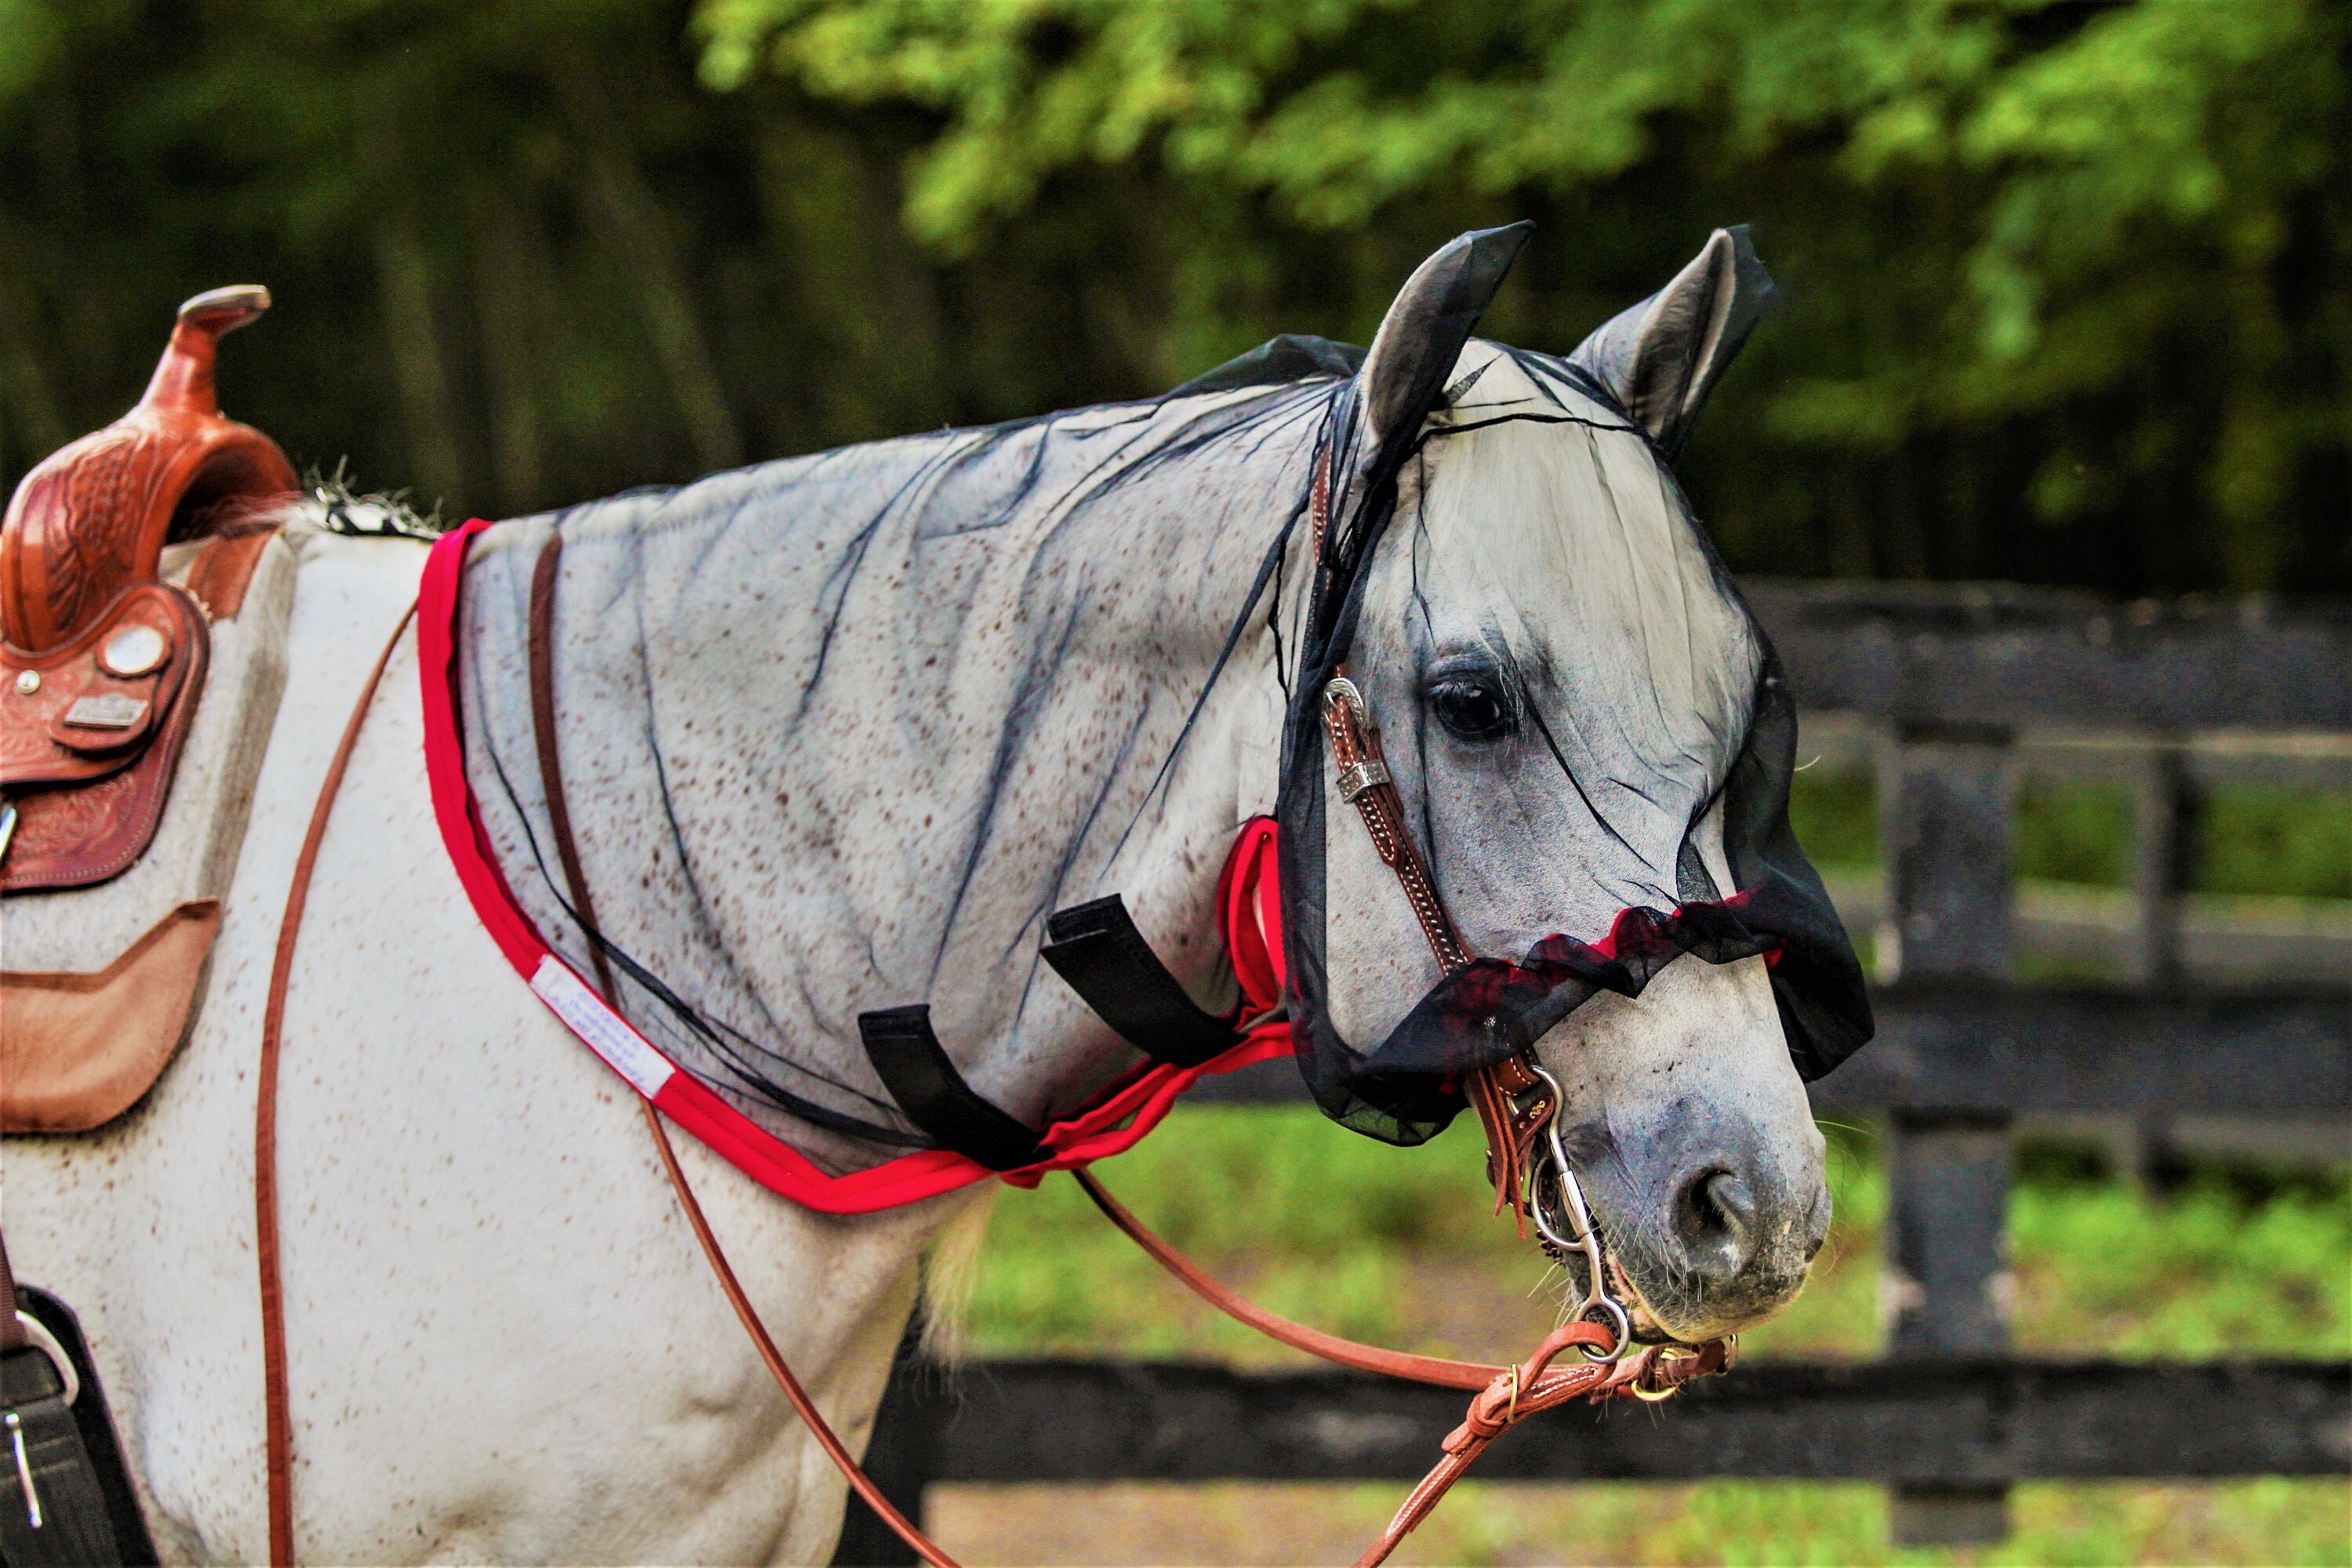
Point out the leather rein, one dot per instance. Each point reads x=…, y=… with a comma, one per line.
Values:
x=1518, y=1101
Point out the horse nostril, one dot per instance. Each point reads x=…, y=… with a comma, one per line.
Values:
x=1716, y=1219
x=1733, y=1202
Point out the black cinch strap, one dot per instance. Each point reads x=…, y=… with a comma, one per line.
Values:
x=1096, y=947
x=906, y=1055
x=60, y=1463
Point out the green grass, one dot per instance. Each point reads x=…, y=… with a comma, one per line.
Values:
x=2265, y=1521
x=2249, y=839
x=1835, y=816
x=1319, y=1222
x=2071, y=831
x=2297, y=843
x=1333, y=1228
x=1396, y=1245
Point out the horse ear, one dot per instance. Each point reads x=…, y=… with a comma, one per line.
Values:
x=1661, y=358
x=1422, y=336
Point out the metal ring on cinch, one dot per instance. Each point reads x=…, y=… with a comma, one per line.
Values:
x=46, y=1343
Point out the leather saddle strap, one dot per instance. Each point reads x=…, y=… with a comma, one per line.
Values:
x=567, y=853
x=279, y=1460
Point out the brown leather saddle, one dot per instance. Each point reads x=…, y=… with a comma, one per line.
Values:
x=101, y=661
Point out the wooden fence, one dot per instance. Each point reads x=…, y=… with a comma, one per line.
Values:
x=1950, y=694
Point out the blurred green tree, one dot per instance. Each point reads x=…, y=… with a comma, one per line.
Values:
x=2053, y=263
x=520, y=254
x=2067, y=292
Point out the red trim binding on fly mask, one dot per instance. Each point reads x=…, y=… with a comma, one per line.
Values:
x=1249, y=912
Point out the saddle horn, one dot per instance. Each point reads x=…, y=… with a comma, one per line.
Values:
x=92, y=518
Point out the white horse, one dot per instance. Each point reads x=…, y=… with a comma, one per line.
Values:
x=837, y=732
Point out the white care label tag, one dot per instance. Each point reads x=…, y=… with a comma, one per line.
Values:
x=606, y=1032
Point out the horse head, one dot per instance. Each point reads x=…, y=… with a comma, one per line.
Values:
x=1591, y=741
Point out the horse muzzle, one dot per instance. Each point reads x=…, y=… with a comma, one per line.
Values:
x=1713, y=1245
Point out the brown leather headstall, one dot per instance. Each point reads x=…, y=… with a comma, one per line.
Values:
x=1512, y=1100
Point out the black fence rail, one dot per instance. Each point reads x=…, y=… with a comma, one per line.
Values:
x=2014, y=1050
x=1996, y=655
x=1952, y=692
x=1947, y=1436
x=1982, y=1422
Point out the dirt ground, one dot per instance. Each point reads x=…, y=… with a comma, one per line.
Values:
x=1139, y=1524
x=1267, y=1526
x=2268, y=1521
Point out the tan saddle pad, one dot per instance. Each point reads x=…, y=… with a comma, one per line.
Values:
x=77, y=1049
x=102, y=982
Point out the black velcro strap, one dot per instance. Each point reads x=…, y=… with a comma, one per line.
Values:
x=1096, y=947
x=906, y=1055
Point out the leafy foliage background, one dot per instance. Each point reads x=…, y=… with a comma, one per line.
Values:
x=2067, y=288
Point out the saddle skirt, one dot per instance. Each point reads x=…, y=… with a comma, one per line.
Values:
x=103, y=980
x=138, y=681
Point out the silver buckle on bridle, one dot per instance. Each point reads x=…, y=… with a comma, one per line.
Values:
x=1367, y=772
x=1341, y=692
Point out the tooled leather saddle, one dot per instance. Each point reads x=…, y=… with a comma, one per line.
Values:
x=101, y=661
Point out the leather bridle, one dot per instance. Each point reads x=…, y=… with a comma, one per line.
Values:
x=1518, y=1101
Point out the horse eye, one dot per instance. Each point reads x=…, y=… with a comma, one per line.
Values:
x=1471, y=706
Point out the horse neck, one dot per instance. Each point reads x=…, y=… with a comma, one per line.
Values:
x=842, y=763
